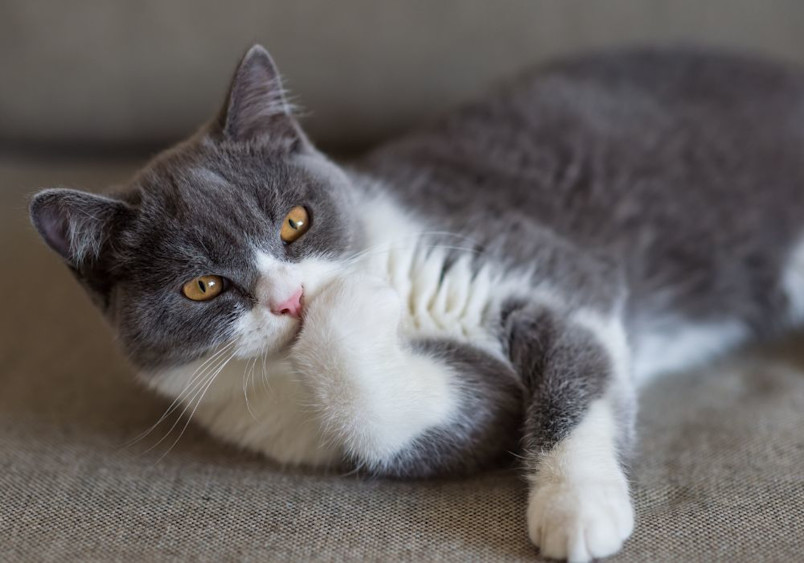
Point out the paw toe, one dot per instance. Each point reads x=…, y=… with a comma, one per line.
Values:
x=579, y=523
x=601, y=536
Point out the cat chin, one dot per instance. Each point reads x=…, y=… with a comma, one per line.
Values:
x=268, y=344
x=256, y=345
x=261, y=333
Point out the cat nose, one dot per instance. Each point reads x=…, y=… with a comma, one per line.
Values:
x=290, y=306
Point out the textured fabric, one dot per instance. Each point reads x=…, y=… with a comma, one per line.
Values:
x=94, y=71
x=719, y=475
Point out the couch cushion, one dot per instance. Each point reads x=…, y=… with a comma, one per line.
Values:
x=719, y=475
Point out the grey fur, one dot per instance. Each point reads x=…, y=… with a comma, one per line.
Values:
x=664, y=182
x=682, y=168
x=564, y=368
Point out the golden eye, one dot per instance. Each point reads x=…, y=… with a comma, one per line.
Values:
x=203, y=288
x=295, y=224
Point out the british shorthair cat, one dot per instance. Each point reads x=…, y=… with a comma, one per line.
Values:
x=496, y=282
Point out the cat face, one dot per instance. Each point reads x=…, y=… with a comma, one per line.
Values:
x=219, y=240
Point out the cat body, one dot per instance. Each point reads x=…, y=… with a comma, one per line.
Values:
x=496, y=282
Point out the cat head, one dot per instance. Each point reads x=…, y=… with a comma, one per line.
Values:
x=218, y=240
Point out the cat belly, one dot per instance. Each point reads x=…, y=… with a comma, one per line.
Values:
x=792, y=281
x=673, y=344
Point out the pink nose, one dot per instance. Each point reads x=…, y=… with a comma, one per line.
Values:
x=290, y=306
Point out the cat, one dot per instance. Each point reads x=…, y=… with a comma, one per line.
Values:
x=496, y=282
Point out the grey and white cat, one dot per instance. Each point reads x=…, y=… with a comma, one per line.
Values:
x=496, y=282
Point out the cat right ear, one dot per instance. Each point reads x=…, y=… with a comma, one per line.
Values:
x=77, y=225
x=256, y=108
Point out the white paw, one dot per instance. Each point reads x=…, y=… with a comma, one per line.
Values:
x=359, y=310
x=373, y=397
x=349, y=328
x=580, y=521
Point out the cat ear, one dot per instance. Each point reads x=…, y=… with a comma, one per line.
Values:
x=256, y=108
x=77, y=224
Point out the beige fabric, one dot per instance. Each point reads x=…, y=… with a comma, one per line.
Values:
x=720, y=475
x=144, y=70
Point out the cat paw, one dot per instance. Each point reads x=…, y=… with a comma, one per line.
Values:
x=580, y=521
x=349, y=356
x=360, y=314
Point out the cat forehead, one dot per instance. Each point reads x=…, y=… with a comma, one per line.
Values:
x=194, y=193
x=198, y=205
x=203, y=169
x=189, y=183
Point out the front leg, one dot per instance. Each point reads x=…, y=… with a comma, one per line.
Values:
x=578, y=427
x=401, y=407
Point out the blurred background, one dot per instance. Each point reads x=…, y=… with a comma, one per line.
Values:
x=112, y=77
x=89, y=89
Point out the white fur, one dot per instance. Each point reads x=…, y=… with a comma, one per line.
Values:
x=457, y=305
x=793, y=283
x=347, y=386
x=263, y=333
x=374, y=396
x=672, y=344
x=610, y=333
x=260, y=406
x=579, y=507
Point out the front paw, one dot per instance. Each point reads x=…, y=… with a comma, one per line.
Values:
x=349, y=357
x=356, y=315
x=579, y=521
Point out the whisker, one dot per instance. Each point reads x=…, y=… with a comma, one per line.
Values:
x=197, y=374
x=197, y=404
x=261, y=355
x=251, y=363
x=197, y=389
x=266, y=385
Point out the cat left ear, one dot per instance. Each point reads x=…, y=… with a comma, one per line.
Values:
x=77, y=225
x=82, y=227
x=257, y=108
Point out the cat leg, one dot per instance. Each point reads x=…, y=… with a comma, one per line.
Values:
x=579, y=424
x=401, y=408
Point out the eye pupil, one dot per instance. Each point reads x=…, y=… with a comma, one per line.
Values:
x=203, y=288
x=296, y=223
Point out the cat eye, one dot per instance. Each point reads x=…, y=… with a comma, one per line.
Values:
x=203, y=288
x=295, y=224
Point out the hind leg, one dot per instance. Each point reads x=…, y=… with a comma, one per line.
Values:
x=768, y=301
